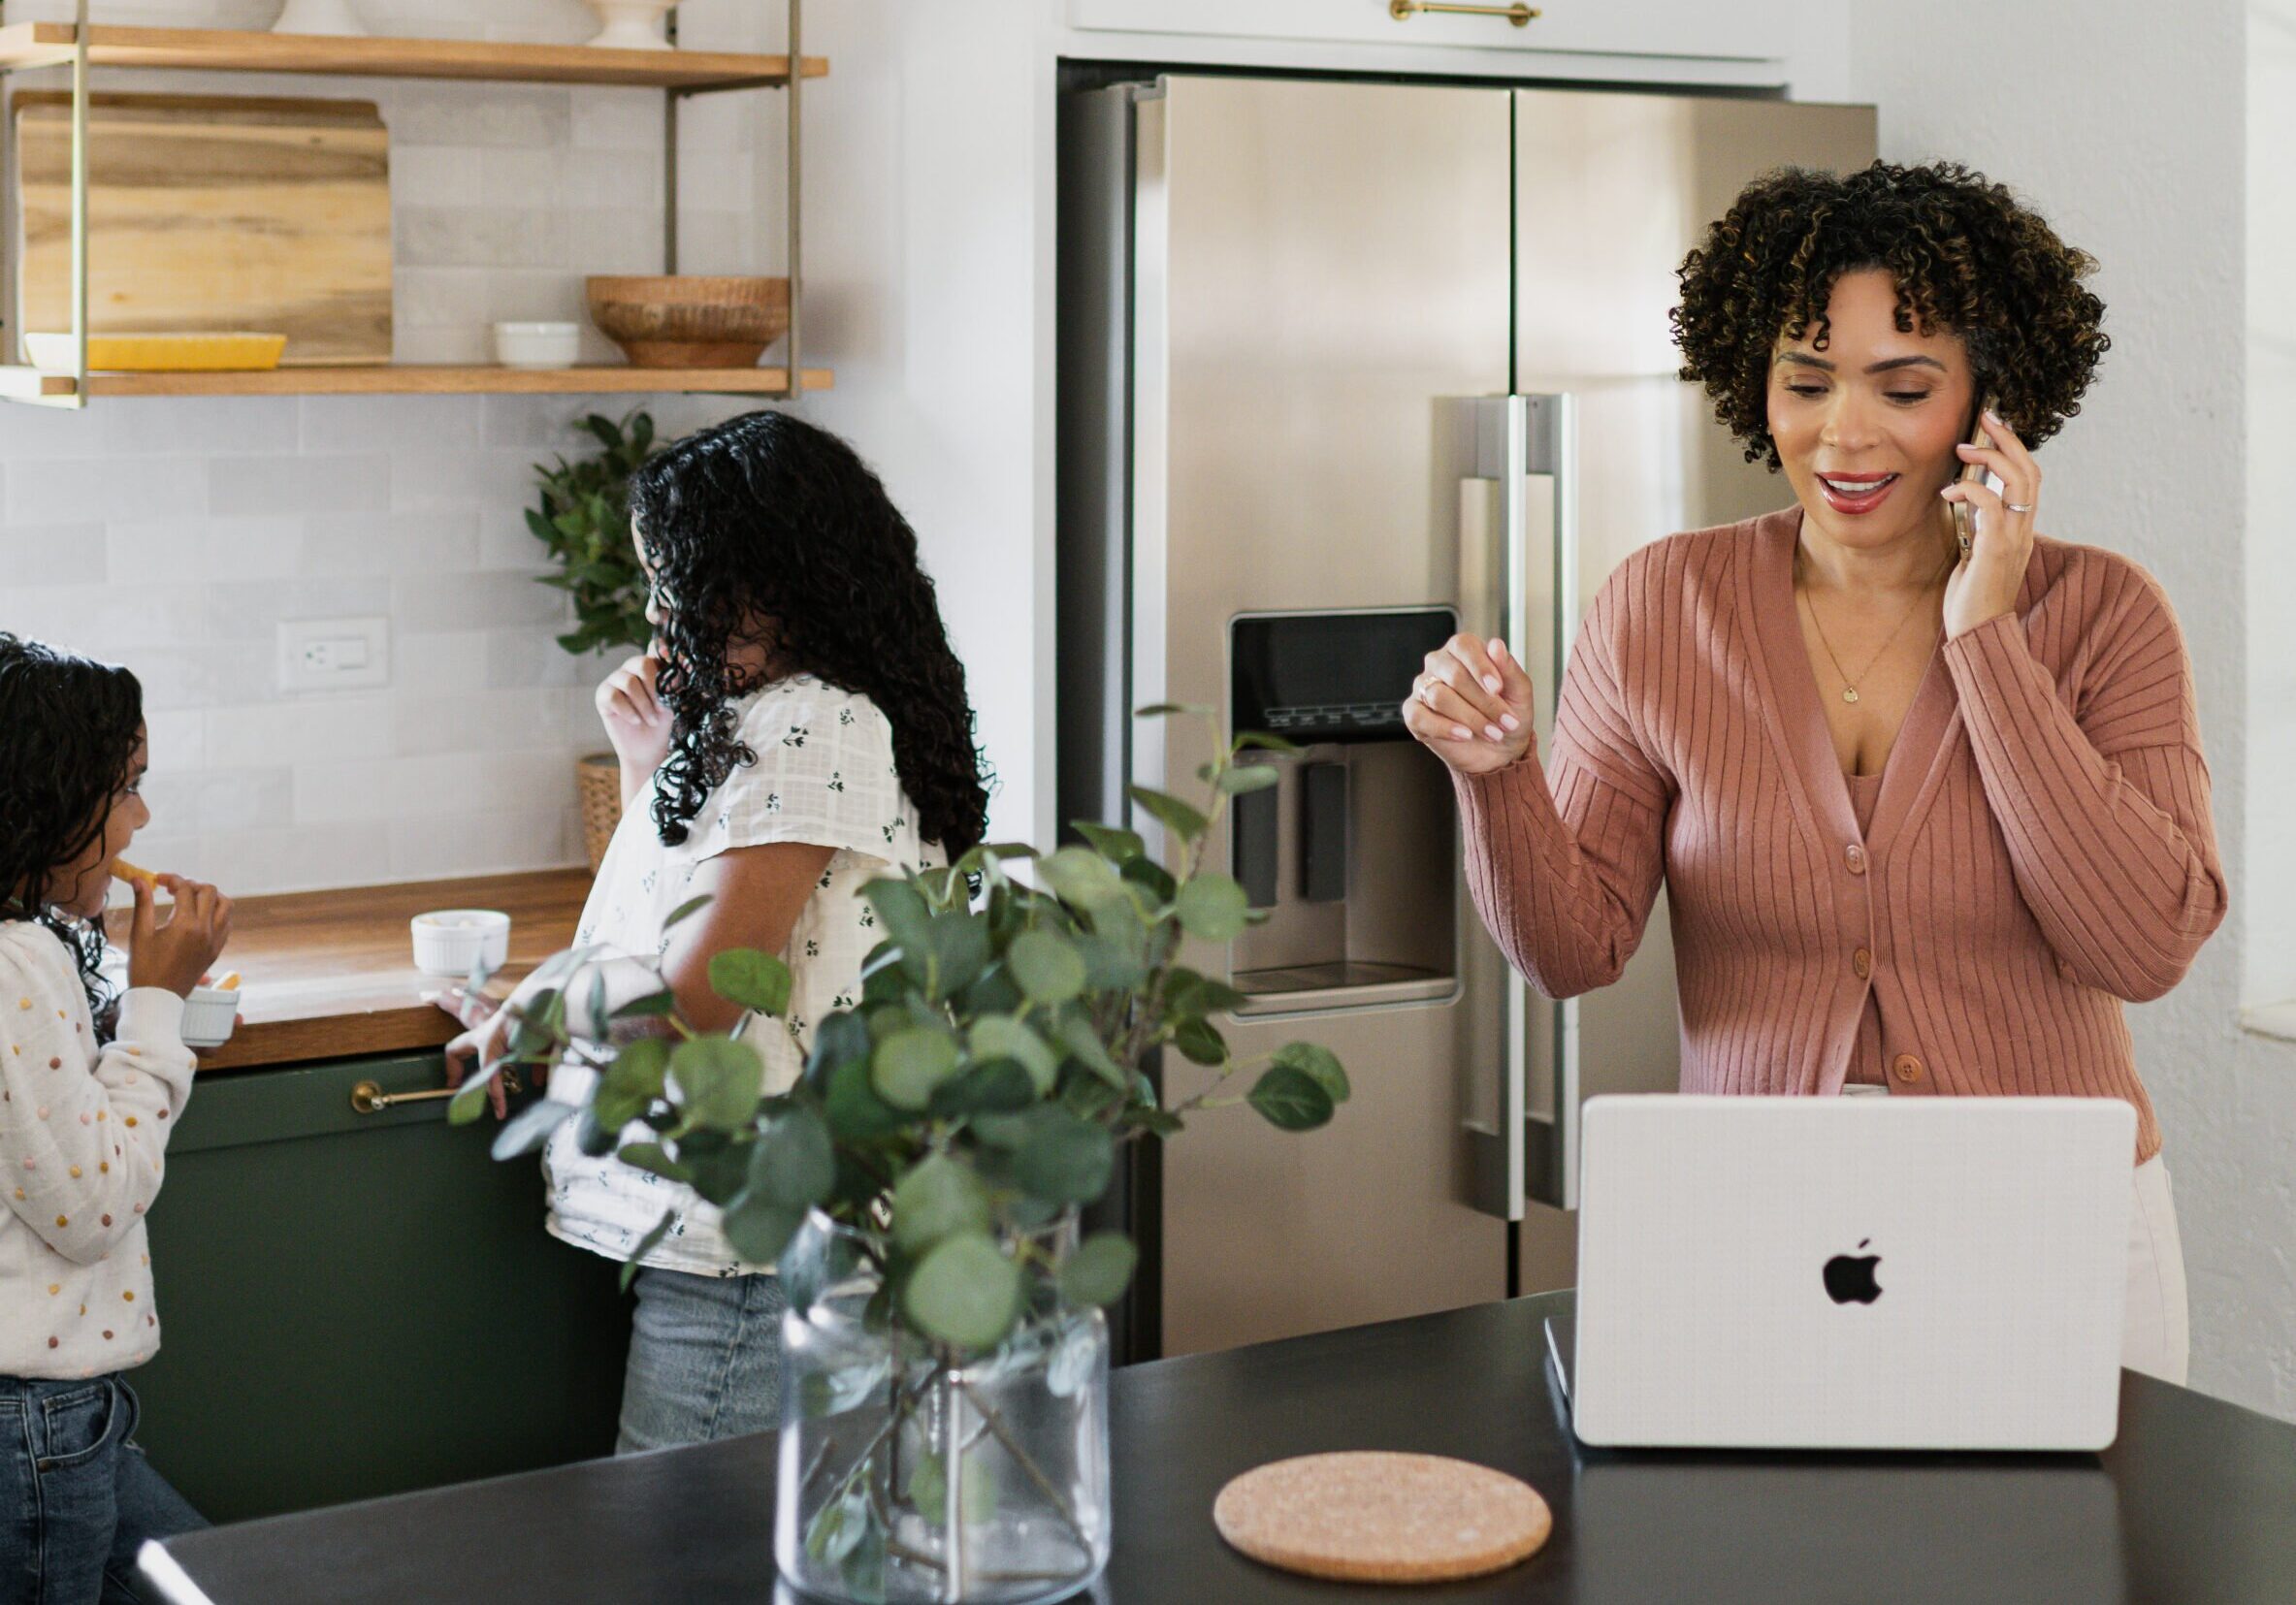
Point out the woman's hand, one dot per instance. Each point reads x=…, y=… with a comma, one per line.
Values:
x=637, y=724
x=1470, y=705
x=175, y=956
x=1985, y=584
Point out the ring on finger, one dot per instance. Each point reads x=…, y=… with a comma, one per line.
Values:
x=2015, y=507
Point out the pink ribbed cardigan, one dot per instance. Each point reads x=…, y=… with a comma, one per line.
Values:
x=2041, y=848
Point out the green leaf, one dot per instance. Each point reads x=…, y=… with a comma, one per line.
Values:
x=639, y=1068
x=998, y=1088
x=685, y=911
x=1152, y=877
x=1320, y=1062
x=840, y=1039
x=654, y=1159
x=1159, y=1122
x=911, y=1063
x=1065, y=1159
x=1082, y=877
x=530, y=1127
x=1048, y=968
x=1081, y=1039
x=1165, y=710
x=1247, y=778
x=759, y=982
x=1192, y=996
x=1264, y=742
x=995, y=1037
x=646, y=1245
x=964, y=1292
x=855, y=1112
x=793, y=1161
x=1111, y=964
x=938, y=1198
x=1212, y=905
x=719, y=1081
x=758, y=1228
x=960, y=943
x=1109, y=842
x=1202, y=1045
x=470, y=1100
x=1290, y=1100
x=1177, y=816
x=1097, y=1273
x=928, y=1492
x=653, y=1006
x=901, y=911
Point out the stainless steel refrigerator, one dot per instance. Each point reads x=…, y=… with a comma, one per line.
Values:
x=1345, y=367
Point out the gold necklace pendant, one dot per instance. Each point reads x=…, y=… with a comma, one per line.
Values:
x=1849, y=693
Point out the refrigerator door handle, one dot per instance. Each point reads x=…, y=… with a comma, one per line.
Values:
x=1521, y=586
x=1549, y=436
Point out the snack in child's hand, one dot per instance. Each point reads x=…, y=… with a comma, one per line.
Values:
x=122, y=870
x=229, y=983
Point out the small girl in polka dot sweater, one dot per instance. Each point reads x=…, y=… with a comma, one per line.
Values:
x=90, y=1087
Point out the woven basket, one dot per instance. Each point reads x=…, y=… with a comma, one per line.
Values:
x=599, y=777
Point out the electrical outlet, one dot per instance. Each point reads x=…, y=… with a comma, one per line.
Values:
x=334, y=654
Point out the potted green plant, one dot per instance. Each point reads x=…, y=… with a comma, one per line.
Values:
x=946, y=1355
x=583, y=520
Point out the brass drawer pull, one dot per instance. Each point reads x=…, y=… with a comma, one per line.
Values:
x=369, y=1097
x=1520, y=14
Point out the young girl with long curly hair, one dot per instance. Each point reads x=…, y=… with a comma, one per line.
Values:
x=797, y=728
x=90, y=1086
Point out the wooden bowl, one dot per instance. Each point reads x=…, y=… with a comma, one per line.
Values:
x=691, y=321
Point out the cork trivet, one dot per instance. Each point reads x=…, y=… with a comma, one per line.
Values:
x=1382, y=1518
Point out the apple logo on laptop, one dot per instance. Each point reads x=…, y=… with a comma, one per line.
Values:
x=1849, y=1277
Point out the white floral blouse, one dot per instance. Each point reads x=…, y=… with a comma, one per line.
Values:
x=825, y=776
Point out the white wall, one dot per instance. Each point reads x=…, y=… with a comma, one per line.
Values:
x=2271, y=912
x=2126, y=130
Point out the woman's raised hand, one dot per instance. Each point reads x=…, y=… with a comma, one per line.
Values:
x=638, y=724
x=1470, y=705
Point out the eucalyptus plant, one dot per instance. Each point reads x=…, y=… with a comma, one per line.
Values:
x=583, y=518
x=997, y=1061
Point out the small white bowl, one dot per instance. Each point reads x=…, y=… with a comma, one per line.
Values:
x=451, y=941
x=538, y=344
x=209, y=1015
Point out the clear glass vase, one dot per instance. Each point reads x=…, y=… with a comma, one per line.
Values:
x=910, y=1475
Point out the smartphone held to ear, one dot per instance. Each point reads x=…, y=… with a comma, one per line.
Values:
x=1965, y=516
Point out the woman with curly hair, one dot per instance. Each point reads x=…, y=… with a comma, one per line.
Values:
x=1927, y=810
x=797, y=728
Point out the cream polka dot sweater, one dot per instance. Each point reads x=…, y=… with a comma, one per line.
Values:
x=84, y=1129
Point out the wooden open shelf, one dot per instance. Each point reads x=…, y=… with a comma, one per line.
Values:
x=412, y=379
x=27, y=45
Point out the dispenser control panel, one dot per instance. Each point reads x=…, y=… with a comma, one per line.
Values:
x=1330, y=677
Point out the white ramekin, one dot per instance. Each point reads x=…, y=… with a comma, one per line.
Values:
x=451, y=941
x=209, y=1015
x=538, y=344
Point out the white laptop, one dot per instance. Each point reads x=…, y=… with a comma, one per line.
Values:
x=1851, y=1273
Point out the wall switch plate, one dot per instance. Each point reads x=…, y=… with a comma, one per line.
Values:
x=334, y=654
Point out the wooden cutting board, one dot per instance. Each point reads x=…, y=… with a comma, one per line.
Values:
x=213, y=213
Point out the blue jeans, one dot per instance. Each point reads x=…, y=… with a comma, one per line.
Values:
x=77, y=1497
x=704, y=1359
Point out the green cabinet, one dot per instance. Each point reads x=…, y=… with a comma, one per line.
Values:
x=357, y=1305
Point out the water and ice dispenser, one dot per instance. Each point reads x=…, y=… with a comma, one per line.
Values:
x=1354, y=850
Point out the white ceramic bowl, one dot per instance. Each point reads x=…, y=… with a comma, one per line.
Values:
x=538, y=344
x=209, y=1015
x=451, y=941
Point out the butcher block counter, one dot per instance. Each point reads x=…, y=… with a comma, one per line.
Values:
x=329, y=975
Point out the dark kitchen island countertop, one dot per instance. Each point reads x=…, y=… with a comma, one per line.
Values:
x=2195, y=1503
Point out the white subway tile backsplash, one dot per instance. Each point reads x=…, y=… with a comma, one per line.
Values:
x=309, y=483
x=75, y=490
x=174, y=535
x=306, y=729
x=430, y=602
x=444, y=541
x=52, y=554
x=254, y=610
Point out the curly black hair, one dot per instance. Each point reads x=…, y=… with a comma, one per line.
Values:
x=68, y=732
x=1968, y=258
x=767, y=518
